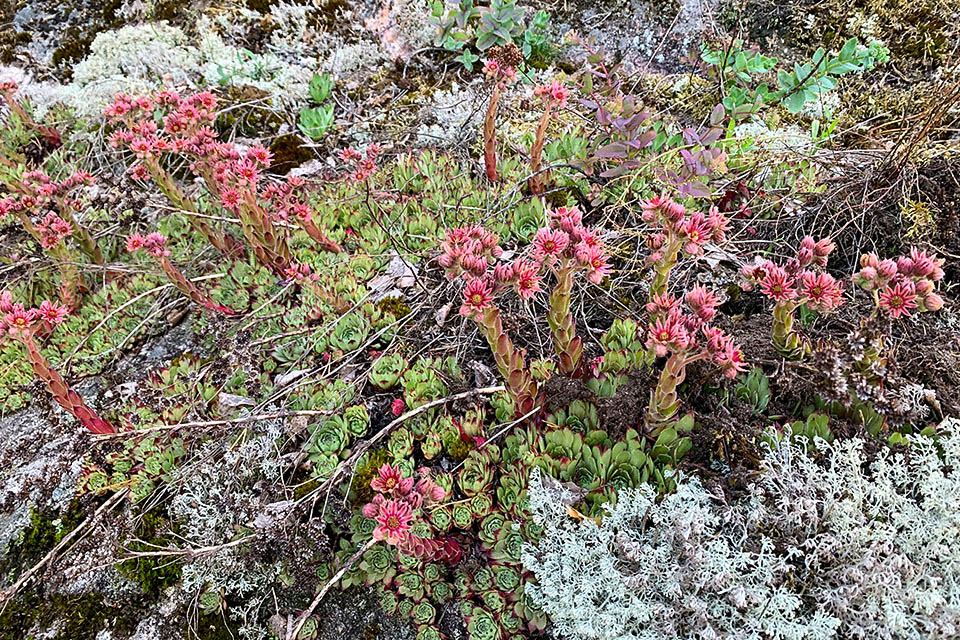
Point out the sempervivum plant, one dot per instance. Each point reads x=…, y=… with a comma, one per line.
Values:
x=565, y=248
x=232, y=175
x=685, y=337
x=501, y=69
x=675, y=232
x=799, y=281
x=22, y=325
x=904, y=285
x=398, y=508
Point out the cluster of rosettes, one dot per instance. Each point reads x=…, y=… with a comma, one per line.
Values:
x=363, y=164
x=553, y=94
x=36, y=191
x=469, y=252
x=397, y=510
x=673, y=331
x=154, y=243
x=18, y=321
x=671, y=224
x=903, y=284
x=796, y=281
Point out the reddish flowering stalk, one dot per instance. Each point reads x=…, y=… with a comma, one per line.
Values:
x=673, y=231
x=155, y=244
x=232, y=175
x=568, y=248
x=502, y=75
x=21, y=324
x=685, y=338
x=467, y=253
x=398, y=504
x=45, y=194
x=795, y=284
x=554, y=96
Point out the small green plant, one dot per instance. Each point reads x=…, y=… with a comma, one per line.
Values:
x=736, y=69
x=754, y=390
x=316, y=121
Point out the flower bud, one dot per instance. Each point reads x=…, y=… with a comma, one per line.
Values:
x=932, y=302
x=924, y=287
x=887, y=269
x=905, y=266
x=869, y=260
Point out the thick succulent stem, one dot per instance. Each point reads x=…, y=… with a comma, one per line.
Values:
x=221, y=242
x=319, y=236
x=663, y=399
x=268, y=245
x=568, y=346
x=490, y=136
x=520, y=383
x=190, y=290
x=786, y=339
x=663, y=267
x=536, y=152
x=61, y=392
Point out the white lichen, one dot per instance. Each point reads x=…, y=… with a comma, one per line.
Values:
x=823, y=547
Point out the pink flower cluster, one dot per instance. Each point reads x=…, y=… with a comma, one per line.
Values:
x=154, y=243
x=399, y=501
x=501, y=74
x=673, y=331
x=469, y=252
x=36, y=191
x=671, y=225
x=363, y=164
x=796, y=281
x=18, y=321
x=231, y=173
x=553, y=94
x=53, y=229
x=903, y=284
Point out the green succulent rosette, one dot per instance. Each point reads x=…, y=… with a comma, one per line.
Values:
x=441, y=518
x=483, y=626
x=400, y=444
x=423, y=613
x=462, y=515
x=490, y=526
x=506, y=579
x=427, y=632
x=357, y=420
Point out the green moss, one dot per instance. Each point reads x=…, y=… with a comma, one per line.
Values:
x=43, y=533
x=305, y=488
x=151, y=574
x=79, y=617
x=360, y=489
x=394, y=305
